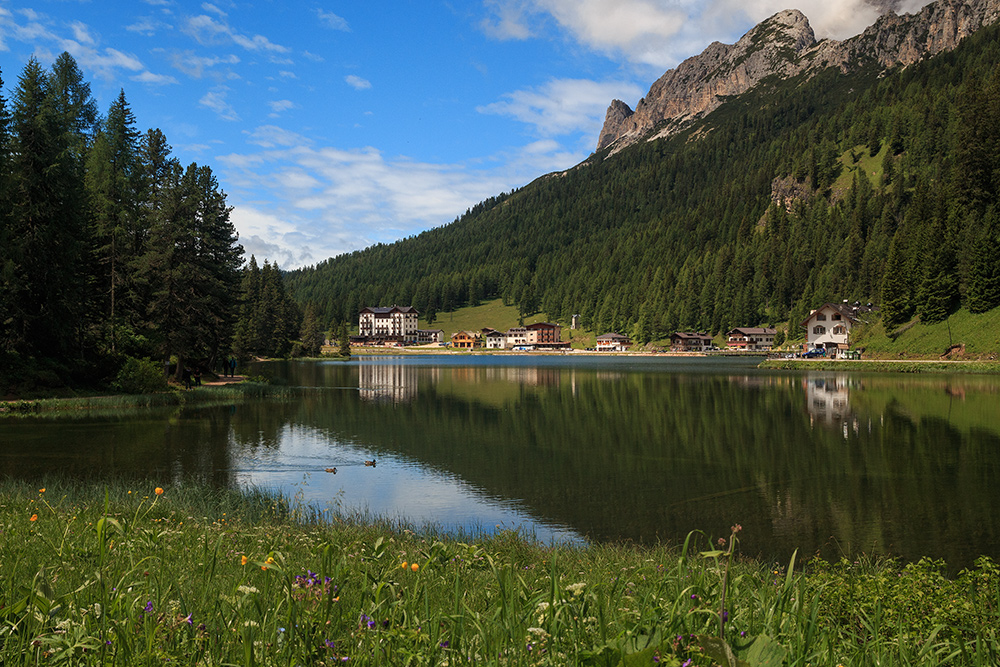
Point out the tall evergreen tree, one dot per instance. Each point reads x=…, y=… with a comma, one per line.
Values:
x=46, y=231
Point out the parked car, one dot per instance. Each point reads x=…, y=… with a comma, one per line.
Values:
x=815, y=352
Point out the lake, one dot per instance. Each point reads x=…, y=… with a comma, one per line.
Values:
x=580, y=448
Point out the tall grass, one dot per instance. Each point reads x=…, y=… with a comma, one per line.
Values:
x=119, y=575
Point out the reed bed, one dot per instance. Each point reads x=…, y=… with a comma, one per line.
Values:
x=118, y=574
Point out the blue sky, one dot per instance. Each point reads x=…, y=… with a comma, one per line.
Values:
x=332, y=126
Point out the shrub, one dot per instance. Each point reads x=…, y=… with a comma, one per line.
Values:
x=140, y=376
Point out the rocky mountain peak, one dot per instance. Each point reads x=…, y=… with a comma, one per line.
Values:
x=785, y=45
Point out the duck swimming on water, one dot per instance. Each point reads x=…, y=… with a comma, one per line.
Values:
x=333, y=470
x=370, y=464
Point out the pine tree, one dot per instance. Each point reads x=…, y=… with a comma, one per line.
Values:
x=895, y=304
x=345, y=341
x=310, y=334
x=45, y=236
x=983, y=291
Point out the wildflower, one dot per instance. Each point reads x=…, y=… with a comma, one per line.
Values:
x=444, y=644
x=329, y=644
x=159, y=491
x=576, y=589
x=41, y=490
x=269, y=561
x=244, y=560
x=34, y=517
x=149, y=607
x=721, y=542
x=405, y=565
x=414, y=567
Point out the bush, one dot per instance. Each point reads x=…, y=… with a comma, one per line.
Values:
x=140, y=376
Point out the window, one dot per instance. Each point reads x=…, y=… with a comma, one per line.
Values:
x=819, y=330
x=836, y=316
x=821, y=317
x=839, y=330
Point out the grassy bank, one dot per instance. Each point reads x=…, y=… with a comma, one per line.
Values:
x=123, y=575
x=884, y=366
x=177, y=397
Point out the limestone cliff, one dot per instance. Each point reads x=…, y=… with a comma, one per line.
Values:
x=785, y=45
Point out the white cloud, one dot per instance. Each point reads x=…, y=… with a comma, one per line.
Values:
x=215, y=100
x=147, y=26
x=509, y=20
x=206, y=30
x=155, y=79
x=194, y=65
x=331, y=20
x=81, y=33
x=299, y=203
x=279, y=106
x=563, y=106
x=209, y=7
x=660, y=33
x=357, y=82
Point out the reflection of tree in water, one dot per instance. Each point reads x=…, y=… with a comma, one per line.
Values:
x=652, y=456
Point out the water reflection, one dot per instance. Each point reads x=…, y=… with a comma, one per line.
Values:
x=610, y=449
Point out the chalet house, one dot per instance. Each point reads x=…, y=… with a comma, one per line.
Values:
x=751, y=338
x=429, y=336
x=612, y=342
x=396, y=324
x=828, y=328
x=465, y=340
x=690, y=341
x=494, y=340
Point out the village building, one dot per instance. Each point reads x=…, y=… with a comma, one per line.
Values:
x=544, y=332
x=430, y=336
x=395, y=324
x=494, y=340
x=690, y=341
x=465, y=340
x=517, y=337
x=612, y=342
x=750, y=338
x=828, y=328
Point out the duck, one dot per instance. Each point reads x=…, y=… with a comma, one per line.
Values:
x=371, y=463
x=333, y=470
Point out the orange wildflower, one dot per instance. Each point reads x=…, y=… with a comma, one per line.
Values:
x=414, y=567
x=34, y=517
x=244, y=560
x=159, y=491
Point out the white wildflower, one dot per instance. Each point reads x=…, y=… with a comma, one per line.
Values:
x=576, y=589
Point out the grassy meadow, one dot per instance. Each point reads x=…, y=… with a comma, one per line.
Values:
x=128, y=574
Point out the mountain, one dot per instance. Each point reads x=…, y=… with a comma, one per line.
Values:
x=863, y=181
x=785, y=46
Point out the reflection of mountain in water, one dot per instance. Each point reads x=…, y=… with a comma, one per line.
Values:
x=648, y=456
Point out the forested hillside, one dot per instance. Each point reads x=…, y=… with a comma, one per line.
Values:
x=888, y=184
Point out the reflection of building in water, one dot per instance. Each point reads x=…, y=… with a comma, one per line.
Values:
x=388, y=382
x=828, y=401
x=527, y=375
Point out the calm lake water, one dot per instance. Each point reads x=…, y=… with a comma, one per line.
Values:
x=585, y=448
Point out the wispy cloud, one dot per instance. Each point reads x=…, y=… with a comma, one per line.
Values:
x=331, y=20
x=563, y=106
x=279, y=106
x=508, y=19
x=154, y=79
x=195, y=65
x=216, y=101
x=357, y=82
x=324, y=201
x=207, y=31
